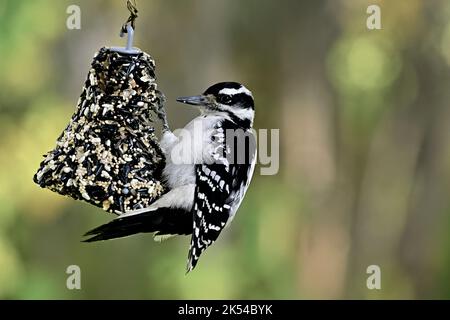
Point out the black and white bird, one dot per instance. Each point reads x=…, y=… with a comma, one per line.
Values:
x=209, y=165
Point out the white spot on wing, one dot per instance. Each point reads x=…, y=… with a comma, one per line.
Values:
x=213, y=227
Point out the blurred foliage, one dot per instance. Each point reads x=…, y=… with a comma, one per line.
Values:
x=365, y=148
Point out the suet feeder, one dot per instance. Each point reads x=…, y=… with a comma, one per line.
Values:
x=108, y=155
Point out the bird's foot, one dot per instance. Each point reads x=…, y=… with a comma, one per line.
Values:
x=161, y=113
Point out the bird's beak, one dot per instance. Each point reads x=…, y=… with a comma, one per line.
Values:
x=200, y=100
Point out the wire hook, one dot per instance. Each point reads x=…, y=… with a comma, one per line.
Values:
x=132, y=18
x=128, y=28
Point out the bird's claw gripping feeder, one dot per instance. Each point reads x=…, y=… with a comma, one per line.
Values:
x=108, y=155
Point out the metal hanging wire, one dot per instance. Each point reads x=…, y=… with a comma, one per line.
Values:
x=131, y=6
x=128, y=27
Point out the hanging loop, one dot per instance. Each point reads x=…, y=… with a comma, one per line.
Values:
x=131, y=6
x=128, y=28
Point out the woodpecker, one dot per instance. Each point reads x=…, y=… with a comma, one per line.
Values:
x=209, y=165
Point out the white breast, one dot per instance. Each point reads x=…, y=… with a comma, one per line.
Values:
x=184, y=148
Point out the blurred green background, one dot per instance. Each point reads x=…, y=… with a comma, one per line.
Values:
x=364, y=148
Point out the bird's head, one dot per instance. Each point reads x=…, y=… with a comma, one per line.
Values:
x=231, y=99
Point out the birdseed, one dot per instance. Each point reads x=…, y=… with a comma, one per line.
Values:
x=109, y=155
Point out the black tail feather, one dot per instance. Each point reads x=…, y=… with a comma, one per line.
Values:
x=162, y=220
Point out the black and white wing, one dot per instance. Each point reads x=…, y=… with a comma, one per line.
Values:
x=220, y=188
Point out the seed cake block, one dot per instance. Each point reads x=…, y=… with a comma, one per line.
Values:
x=109, y=155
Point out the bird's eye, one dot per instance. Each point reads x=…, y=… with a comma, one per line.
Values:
x=224, y=98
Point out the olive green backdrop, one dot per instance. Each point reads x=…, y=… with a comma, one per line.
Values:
x=364, y=148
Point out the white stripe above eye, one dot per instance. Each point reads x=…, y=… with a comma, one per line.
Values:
x=231, y=91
